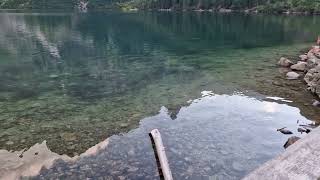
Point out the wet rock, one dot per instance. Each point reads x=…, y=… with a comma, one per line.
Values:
x=303, y=57
x=307, y=130
x=292, y=75
x=284, y=62
x=284, y=131
x=301, y=130
x=316, y=103
x=291, y=141
x=300, y=66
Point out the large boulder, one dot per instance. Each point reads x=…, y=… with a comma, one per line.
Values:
x=284, y=62
x=300, y=66
x=292, y=75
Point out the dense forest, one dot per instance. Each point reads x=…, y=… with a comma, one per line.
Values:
x=276, y=6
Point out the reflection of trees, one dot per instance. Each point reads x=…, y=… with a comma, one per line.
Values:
x=100, y=54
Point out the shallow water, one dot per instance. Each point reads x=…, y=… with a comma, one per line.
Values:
x=76, y=79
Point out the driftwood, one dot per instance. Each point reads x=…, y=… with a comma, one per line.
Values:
x=156, y=136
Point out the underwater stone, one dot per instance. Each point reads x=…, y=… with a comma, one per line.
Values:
x=9, y=143
x=68, y=136
x=53, y=76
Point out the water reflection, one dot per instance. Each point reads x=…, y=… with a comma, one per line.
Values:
x=216, y=136
x=75, y=80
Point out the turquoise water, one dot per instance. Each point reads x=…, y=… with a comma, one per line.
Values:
x=76, y=79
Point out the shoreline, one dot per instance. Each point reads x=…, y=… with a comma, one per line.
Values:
x=307, y=69
x=218, y=11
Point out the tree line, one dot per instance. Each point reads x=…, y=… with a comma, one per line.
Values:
x=260, y=5
x=311, y=6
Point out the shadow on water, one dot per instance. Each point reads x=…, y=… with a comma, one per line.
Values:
x=76, y=79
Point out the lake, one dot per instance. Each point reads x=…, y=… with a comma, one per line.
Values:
x=209, y=82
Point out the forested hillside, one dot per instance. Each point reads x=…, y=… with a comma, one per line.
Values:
x=262, y=5
x=276, y=6
x=38, y=4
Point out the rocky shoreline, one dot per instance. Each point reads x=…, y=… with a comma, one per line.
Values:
x=307, y=67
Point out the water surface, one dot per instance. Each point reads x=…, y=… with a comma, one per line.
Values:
x=76, y=79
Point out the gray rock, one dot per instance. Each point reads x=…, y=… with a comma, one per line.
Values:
x=292, y=75
x=300, y=66
x=303, y=57
x=316, y=103
x=284, y=62
x=290, y=141
x=312, y=78
x=284, y=131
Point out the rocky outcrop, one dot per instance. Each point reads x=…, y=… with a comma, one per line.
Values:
x=312, y=77
x=284, y=62
x=309, y=64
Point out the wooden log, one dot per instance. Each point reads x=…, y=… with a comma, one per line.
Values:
x=156, y=136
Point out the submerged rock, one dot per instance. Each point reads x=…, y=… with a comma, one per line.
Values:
x=285, y=62
x=291, y=141
x=9, y=143
x=292, y=75
x=300, y=66
x=68, y=136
